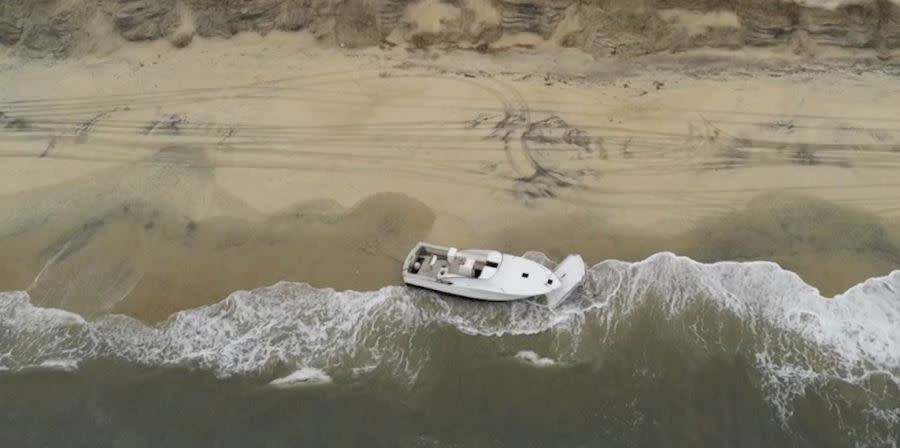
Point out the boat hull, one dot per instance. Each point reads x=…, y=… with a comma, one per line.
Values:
x=488, y=275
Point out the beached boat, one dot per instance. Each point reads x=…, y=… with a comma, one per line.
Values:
x=489, y=274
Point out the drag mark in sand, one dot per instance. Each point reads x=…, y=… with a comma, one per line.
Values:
x=549, y=146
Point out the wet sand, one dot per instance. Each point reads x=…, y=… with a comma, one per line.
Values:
x=151, y=180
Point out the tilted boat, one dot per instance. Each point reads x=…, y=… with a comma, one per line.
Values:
x=489, y=274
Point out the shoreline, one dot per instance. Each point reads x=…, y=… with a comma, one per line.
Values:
x=148, y=263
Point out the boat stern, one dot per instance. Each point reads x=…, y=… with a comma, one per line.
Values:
x=570, y=273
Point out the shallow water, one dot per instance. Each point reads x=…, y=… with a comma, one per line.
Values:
x=663, y=352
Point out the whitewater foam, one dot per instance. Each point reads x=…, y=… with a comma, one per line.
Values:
x=532, y=358
x=300, y=378
x=61, y=365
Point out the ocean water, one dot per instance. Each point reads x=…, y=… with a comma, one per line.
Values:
x=666, y=352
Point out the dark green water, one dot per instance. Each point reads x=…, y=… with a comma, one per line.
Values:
x=471, y=401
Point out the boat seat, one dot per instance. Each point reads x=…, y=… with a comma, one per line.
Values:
x=451, y=255
x=433, y=260
x=467, y=268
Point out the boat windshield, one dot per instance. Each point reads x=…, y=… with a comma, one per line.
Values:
x=490, y=264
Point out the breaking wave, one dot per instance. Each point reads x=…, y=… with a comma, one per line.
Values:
x=793, y=337
x=533, y=359
x=302, y=377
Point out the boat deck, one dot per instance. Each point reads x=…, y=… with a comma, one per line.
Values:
x=437, y=263
x=430, y=269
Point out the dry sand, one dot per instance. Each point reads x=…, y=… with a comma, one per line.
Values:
x=150, y=180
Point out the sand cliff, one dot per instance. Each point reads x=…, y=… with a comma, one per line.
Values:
x=600, y=27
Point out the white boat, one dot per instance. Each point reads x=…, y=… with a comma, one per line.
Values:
x=489, y=274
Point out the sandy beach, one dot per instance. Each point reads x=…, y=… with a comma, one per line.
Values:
x=179, y=176
x=205, y=206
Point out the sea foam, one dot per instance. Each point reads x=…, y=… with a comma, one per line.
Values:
x=532, y=358
x=302, y=377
